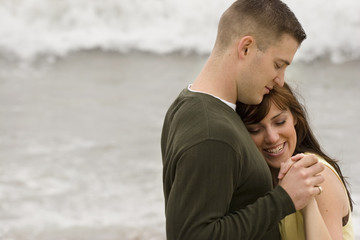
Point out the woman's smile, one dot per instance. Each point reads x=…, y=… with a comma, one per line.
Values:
x=276, y=150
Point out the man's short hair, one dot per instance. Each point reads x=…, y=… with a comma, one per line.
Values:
x=265, y=20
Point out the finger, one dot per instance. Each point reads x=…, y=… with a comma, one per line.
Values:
x=297, y=157
x=317, y=180
x=307, y=161
x=315, y=169
x=317, y=190
x=284, y=168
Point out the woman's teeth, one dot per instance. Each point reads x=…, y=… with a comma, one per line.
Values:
x=275, y=150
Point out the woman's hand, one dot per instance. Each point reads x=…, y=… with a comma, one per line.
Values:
x=285, y=166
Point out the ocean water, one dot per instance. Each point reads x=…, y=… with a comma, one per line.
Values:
x=54, y=28
x=80, y=136
x=80, y=140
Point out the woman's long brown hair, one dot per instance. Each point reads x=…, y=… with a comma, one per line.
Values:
x=284, y=98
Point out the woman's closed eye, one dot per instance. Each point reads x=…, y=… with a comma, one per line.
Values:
x=254, y=130
x=279, y=123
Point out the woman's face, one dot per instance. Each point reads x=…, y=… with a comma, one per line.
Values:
x=275, y=136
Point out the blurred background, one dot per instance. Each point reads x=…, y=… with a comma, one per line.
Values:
x=34, y=28
x=85, y=85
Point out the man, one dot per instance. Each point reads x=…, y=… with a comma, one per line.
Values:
x=216, y=183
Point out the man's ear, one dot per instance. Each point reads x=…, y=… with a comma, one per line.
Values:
x=245, y=46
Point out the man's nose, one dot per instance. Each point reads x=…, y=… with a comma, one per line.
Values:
x=280, y=79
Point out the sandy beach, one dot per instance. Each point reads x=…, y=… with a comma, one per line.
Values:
x=80, y=139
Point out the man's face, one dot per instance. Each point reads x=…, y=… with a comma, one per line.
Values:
x=266, y=69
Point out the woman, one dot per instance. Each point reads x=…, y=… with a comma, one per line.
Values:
x=280, y=129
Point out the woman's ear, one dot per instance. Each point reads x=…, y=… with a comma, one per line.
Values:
x=245, y=46
x=295, y=120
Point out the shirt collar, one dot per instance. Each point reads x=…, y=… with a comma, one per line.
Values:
x=232, y=105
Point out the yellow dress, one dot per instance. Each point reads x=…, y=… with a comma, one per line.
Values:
x=292, y=226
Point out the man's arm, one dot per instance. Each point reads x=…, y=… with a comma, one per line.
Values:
x=202, y=189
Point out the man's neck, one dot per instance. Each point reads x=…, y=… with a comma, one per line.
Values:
x=216, y=79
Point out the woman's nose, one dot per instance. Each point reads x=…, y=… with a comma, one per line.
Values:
x=271, y=136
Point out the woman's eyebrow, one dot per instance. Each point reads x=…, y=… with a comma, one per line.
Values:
x=278, y=114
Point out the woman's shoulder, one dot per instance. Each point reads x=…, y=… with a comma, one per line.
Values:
x=332, y=186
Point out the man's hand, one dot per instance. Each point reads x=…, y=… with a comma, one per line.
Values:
x=302, y=178
x=285, y=166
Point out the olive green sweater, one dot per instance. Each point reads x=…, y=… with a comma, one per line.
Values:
x=216, y=183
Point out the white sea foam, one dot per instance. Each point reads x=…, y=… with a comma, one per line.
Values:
x=32, y=28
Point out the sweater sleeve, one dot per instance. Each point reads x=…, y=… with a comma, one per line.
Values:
x=205, y=180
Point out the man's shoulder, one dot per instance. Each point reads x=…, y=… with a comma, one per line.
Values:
x=196, y=117
x=198, y=106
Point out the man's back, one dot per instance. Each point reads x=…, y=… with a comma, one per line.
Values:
x=213, y=173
